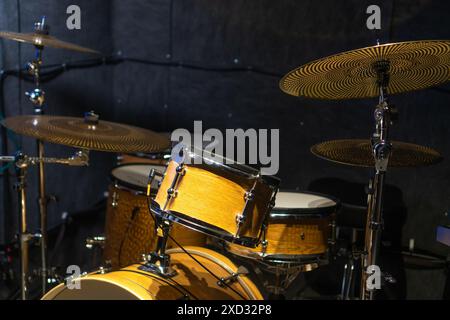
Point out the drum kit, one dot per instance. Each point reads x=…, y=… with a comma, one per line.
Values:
x=174, y=224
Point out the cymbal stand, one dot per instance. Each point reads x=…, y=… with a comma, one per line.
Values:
x=381, y=148
x=37, y=97
x=22, y=163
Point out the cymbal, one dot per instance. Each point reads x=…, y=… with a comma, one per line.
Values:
x=358, y=152
x=413, y=65
x=44, y=40
x=79, y=133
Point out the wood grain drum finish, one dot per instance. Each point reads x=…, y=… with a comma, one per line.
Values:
x=130, y=229
x=191, y=282
x=211, y=200
x=298, y=229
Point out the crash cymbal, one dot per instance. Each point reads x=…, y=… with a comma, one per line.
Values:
x=358, y=152
x=91, y=135
x=44, y=40
x=413, y=65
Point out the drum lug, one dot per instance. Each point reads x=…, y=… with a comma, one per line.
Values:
x=115, y=199
x=264, y=245
x=93, y=242
x=103, y=270
x=172, y=193
x=240, y=218
x=249, y=196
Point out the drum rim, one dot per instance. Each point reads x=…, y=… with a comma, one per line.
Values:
x=280, y=213
x=237, y=168
x=124, y=185
x=279, y=257
x=202, y=227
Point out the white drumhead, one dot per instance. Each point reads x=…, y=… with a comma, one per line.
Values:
x=137, y=174
x=299, y=200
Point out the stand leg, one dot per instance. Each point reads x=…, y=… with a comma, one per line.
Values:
x=43, y=217
x=24, y=236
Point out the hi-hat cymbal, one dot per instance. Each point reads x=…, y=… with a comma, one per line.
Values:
x=44, y=40
x=413, y=65
x=79, y=133
x=358, y=152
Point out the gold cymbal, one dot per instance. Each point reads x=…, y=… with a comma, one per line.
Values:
x=79, y=133
x=358, y=152
x=413, y=65
x=44, y=40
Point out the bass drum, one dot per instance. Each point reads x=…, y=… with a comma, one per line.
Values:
x=192, y=281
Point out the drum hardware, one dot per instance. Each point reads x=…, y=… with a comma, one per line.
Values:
x=172, y=192
x=158, y=262
x=241, y=217
x=374, y=72
x=22, y=163
x=103, y=270
x=95, y=242
x=37, y=98
x=40, y=39
x=347, y=288
x=233, y=277
x=115, y=198
x=191, y=203
x=381, y=151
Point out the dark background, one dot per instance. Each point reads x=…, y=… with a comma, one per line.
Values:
x=274, y=36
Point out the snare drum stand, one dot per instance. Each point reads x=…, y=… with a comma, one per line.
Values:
x=158, y=261
x=381, y=150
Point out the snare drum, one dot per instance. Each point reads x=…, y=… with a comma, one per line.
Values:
x=298, y=231
x=130, y=230
x=225, y=201
x=190, y=282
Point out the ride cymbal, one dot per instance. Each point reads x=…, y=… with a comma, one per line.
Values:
x=44, y=40
x=92, y=135
x=412, y=65
x=358, y=152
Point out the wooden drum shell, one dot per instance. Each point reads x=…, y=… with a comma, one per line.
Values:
x=291, y=239
x=214, y=200
x=130, y=230
x=191, y=281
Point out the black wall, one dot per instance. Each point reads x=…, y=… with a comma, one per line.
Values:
x=275, y=36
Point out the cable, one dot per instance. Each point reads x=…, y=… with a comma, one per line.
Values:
x=131, y=223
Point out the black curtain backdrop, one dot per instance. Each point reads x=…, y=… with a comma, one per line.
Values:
x=274, y=36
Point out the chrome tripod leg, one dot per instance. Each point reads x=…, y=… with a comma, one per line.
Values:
x=23, y=234
x=43, y=217
x=373, y=233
